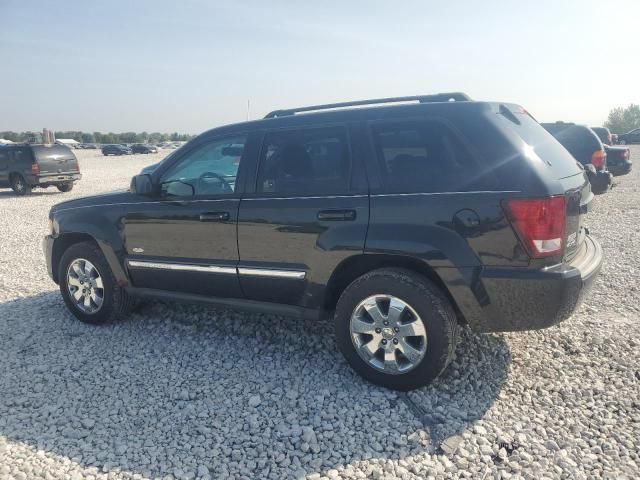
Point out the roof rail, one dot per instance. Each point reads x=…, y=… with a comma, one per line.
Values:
x=437, y=97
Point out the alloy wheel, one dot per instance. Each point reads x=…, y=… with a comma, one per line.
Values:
x=388, y=334
x=85, y=286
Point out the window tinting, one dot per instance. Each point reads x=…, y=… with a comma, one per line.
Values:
x=545, y=145
x=305, y=162
x=423, y=157
x=210, y=169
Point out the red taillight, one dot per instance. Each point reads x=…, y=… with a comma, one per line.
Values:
x=35, y=169
x=597, y=159
x=625, y=155
x=540, y=223
x=609, y=137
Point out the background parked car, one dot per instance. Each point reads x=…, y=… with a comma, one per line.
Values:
x=586, y=148
x=618, y=159
x=603, y=134
x=630, y=137
x=23, y=167
x=143, y=148
x=116, y=150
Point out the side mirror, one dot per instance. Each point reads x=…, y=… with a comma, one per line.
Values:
x=142, y=184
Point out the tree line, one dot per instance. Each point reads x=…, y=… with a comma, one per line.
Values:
x=99, y=137
x=623, y=120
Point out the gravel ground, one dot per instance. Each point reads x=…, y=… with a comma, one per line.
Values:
x=180, y=391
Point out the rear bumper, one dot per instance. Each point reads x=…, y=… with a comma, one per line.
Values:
x=53, y=179
x=621, y=168
x=512, y=299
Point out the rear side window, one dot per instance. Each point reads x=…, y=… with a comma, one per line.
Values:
x=21, y=155
x=552, y=153
x=423, y=156
x=314, y=161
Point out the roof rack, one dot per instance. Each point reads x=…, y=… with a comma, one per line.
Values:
x=437, y=97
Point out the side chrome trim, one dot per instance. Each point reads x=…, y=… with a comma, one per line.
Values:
x=183, y=267
x=269, y=272
x=237, y=199
x=426, y=194
x=317, y=197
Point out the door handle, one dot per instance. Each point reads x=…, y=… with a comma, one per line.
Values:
x=214, y=217
x=337, y=215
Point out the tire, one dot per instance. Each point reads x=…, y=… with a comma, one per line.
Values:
x=622, y=142
x=19, y=185
x=65, y=187
x=115, y=304
x=428, y=307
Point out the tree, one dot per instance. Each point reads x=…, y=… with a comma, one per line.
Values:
x=87, y=137
x=621, y=120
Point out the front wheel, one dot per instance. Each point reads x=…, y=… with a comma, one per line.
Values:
x=88, y=286
x=396, y=328
x=20, y=185
x=65, y=187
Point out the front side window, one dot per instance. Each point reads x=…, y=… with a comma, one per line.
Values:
x=211, y=169
x=312, y=161
x=422, y=156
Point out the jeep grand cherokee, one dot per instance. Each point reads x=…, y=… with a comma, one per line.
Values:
x=404, y=218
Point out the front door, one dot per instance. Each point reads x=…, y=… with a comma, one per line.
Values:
x=308, y=212
x=185, y=239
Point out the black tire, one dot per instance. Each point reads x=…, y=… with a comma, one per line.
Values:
x=116, y=302
x=622, y=142
x=19, y=185
x=431, y=305
x=65, y=187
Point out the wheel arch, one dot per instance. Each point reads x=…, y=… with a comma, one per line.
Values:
x=357, y=265
x=67, y=239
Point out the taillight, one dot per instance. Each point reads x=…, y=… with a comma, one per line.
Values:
x=625, y=155
x=609, y=137
x=597, y=159
x=540, y=223
x=35, y=169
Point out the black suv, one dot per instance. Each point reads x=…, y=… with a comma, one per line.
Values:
x=402, y=221
x=586, y=147
x=143, y=148
x=25, y=166
x=116, y=150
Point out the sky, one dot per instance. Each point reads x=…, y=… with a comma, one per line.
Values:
x=189, y=65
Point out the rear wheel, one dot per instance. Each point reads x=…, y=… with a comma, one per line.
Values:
x=396, y=328
x=88, y=286
x=65, y=187
x=20, y=185
x=622, y=142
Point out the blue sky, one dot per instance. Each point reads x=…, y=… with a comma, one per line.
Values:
x=191, y=65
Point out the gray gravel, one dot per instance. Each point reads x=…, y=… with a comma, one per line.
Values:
x=181, y=391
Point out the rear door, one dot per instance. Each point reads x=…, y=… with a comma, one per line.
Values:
x=308, y=212
x=55, y=159
x=4, y=166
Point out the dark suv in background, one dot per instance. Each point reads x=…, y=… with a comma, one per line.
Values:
x=586, y=148
x=26, y=166
x=116, y=150
x=401, y=221
x=143, y=148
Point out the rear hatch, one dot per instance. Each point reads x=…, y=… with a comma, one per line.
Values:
x=55, y=159
x=563, y=167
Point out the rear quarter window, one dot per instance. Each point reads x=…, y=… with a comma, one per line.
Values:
x=549, y=149
x=424, y=156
